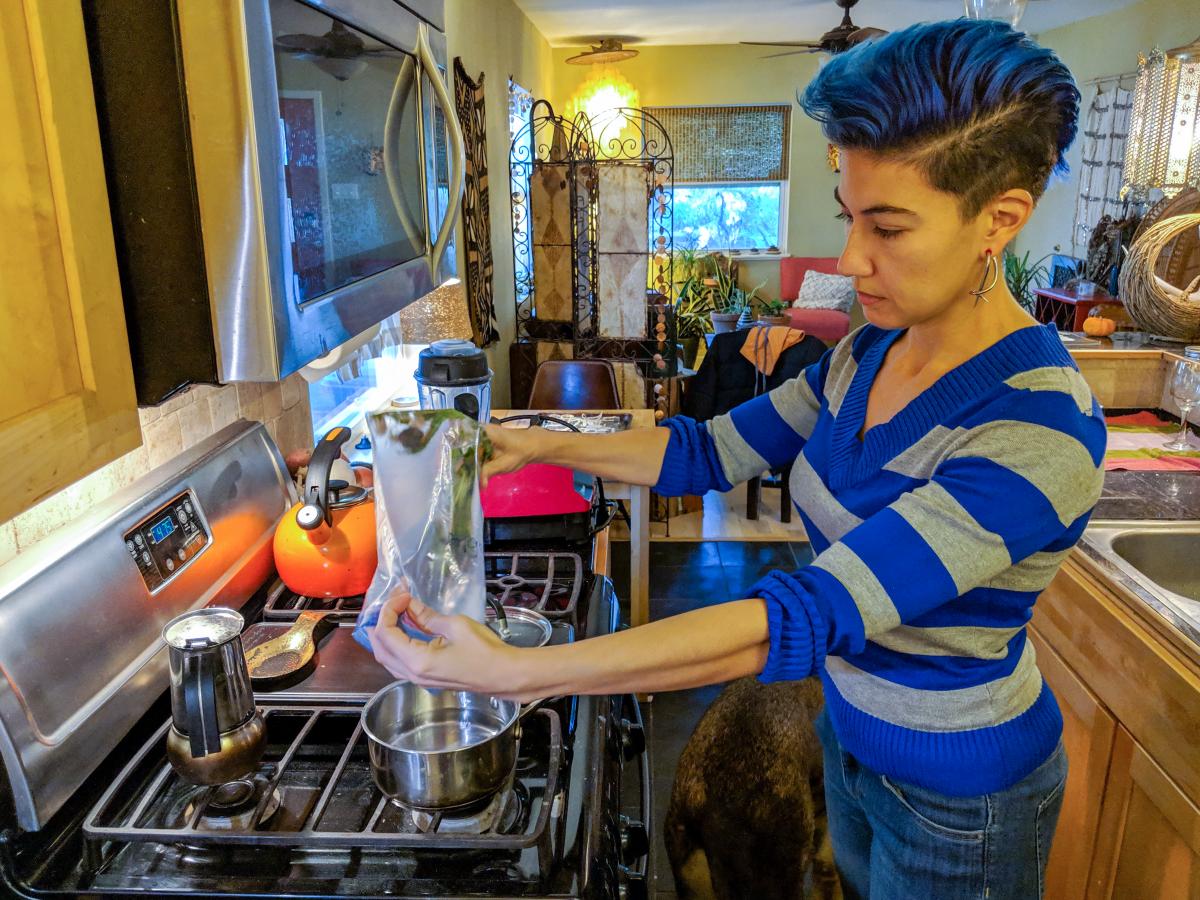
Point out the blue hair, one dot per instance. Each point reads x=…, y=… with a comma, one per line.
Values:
x=978, y=107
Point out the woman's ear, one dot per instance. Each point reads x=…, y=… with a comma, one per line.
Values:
x=1007, y=215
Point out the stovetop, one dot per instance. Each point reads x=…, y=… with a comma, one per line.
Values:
x=315, y=822
x=553, y=583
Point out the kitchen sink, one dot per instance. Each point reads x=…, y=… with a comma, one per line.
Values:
x=1162, y=557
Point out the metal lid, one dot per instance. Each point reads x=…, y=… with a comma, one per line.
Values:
x=203, y=628
x=453, y=363
x=342, y=494
x=527, y=628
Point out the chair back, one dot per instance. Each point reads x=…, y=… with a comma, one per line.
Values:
x=573, y=384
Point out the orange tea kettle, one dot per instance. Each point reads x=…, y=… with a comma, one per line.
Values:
x=325, y=544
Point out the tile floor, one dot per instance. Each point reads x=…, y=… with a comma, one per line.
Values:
x=682, y=577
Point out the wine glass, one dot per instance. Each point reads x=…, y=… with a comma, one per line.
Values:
x=1185, y=389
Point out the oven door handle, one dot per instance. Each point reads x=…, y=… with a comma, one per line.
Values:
x=456, y=152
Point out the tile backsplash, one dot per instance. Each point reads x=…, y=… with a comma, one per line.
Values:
x=167, y=430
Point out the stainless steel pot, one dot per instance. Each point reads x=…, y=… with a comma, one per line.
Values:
x=437, y=750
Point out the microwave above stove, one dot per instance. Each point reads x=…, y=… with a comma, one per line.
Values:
x=283, y=175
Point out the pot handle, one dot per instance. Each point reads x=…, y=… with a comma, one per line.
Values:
x=316, y=507
x=200, y=704
x=533, y=707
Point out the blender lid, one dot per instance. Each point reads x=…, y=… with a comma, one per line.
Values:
x=453, y=363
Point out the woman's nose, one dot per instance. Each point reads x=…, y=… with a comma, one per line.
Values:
x=854, y=261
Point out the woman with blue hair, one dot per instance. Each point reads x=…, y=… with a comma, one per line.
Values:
x=945, y=459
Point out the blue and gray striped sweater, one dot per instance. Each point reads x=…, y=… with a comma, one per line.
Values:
x=934, y=535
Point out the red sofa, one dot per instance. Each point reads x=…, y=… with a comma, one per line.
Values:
x=828, y=325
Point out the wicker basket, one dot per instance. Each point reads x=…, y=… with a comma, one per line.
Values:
x=1150, y=307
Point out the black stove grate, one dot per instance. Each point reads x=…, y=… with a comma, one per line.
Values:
x=548, y=582
x=314, y=790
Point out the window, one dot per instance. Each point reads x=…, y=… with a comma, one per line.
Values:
x=731, y=170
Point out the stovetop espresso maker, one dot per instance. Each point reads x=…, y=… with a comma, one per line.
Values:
x=217, y=734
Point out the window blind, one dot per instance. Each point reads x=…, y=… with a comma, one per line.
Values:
x=727, y=143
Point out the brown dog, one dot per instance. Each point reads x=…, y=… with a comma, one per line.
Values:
x=747, y=813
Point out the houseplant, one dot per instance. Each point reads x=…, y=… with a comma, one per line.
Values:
x=774, y=312
x=1022, y=276
x=692, y=304
x=726, y=299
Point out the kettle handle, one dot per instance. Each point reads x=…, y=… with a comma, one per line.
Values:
x=315, y=506
x=200, y=704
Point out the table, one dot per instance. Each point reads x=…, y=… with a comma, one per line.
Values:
x=1067, y=309
x=639, y=517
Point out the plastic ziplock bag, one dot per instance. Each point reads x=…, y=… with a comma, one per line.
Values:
x=428, y=518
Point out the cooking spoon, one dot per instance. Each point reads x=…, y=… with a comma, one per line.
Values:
x=289, y=652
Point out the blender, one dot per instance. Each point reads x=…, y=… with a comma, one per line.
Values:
x=454, y=374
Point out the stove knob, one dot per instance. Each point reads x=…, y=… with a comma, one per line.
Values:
x=635, y=842
x=632, y=885
x=633, y=739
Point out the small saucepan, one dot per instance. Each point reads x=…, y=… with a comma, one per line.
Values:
x=439, y=750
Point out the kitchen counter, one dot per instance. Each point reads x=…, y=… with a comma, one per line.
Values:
x=1149, y=495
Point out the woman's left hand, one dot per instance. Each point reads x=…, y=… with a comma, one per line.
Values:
x=463, y=654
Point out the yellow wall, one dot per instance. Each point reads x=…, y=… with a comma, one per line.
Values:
x=733, y=74
x=496, y=38
x=1102, y=45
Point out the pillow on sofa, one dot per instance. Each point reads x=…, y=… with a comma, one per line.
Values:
x=822, y=291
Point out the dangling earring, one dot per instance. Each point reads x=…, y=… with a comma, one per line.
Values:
x=991, y=269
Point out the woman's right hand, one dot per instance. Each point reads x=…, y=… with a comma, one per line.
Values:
x=512, y=449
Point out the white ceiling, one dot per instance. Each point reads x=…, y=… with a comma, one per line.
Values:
x=567, y=23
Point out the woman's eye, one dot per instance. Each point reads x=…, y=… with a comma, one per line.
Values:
x=888, y=235
x=843, y=217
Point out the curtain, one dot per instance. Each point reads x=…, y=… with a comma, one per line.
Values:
x=716, y=144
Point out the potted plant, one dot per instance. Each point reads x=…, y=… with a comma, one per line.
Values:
x=774, y=312
x=1022, y=277
x=726, y=299
x=692, y=305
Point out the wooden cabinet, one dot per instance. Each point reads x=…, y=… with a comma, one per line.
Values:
x=1088, y=730
x=1129, y=689
x=67, y=403
x=1149, y=839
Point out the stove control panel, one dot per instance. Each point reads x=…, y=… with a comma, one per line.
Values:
x=163, y=544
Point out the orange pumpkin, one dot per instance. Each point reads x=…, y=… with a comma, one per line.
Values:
x=1098, y=326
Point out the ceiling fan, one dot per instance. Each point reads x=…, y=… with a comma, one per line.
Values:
x=339, y=51
x=836, y=40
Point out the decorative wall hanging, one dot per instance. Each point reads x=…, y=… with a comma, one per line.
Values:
x=1102, y=157
x=477, y=221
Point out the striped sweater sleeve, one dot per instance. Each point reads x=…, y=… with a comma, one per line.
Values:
x=764, y=433
x=1022, y=482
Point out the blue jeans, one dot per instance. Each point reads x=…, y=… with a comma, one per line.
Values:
x=894, y=841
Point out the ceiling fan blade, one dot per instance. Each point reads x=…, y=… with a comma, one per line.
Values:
x=865, y=34
x=791, y=53
x=779, y=43
x=300, y=43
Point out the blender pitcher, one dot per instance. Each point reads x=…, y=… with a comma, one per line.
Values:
x=454, y=374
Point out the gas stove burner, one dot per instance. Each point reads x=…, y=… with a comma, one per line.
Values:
x=503, y=813
x=231, y=806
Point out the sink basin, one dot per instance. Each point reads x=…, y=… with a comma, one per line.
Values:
x=1168, y=558
x=1162, y=557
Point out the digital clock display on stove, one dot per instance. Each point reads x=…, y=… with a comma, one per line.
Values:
x=162, y=545
x=162, y=530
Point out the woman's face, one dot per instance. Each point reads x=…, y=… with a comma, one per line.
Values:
x=911, y=254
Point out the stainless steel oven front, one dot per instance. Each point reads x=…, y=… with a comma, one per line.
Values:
x=328, y=170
